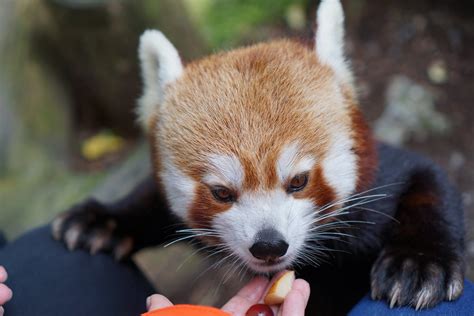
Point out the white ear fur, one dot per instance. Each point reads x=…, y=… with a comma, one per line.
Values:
x=330, y=39
x=160, y=65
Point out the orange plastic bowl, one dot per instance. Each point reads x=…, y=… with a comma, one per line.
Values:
x=187, y=310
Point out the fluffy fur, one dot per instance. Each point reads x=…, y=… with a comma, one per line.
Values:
x=161, y=65
x=226, y=170
x=330, y=39
x=290, y=163
x=252, y=119
x=261, y=210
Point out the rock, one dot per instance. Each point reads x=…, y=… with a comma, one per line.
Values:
x=456, y=161
x=437, y=72
x=410, y=112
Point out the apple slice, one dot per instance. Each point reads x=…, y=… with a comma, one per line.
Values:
x=280, y=289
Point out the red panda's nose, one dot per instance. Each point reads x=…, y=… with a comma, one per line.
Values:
x=269, y=245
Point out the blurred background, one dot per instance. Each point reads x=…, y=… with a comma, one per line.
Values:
x=69, y=80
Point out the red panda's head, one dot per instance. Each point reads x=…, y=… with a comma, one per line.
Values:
x=250, y=145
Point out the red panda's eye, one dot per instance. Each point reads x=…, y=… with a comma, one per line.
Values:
x=298, y=183
x=223, y=194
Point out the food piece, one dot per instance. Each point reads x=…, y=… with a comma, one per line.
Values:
x=259, y=310
x=280, y=289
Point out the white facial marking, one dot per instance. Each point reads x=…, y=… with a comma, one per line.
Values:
x=330, y=39
x=160, y=65
x=289, y=164
x=179, y=188
x=225, y=170
x=256, y=211
x=339, y=165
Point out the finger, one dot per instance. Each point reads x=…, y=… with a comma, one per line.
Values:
x=247, y=296
x=1, y=311
x=157, y=301
x=296, y=301
x=5, y=294
x=3, y=274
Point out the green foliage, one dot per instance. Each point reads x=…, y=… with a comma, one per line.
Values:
x=225, y=22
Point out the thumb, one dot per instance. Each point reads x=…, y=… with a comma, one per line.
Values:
x=157, y=301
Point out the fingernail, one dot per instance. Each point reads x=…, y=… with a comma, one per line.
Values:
x=148, y=302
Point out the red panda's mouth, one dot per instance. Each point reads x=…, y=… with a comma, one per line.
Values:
x=270, y=266
x=270, y=262
x=265, y=267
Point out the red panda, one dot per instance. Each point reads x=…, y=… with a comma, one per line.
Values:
x=264, y=150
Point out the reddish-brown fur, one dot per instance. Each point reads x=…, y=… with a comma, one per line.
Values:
x=205, y=207
x=364, y=147
x=420, y=199
x=317, y=189
x=250, y=103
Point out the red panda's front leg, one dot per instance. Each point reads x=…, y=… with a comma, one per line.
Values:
x=138, y=220
x=422, y=262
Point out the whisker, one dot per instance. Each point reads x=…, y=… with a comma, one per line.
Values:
x=312, y=250
x=213, y=266
x=351, y=199
x=188, y=237
x=345, y=210
x=378, y=212
x=379, y=187
x=193, y=254
x=333, y=234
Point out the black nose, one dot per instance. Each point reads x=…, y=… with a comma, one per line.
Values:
x=269, y=245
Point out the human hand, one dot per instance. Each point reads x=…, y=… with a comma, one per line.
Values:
x=251, y=294
x=5, y=292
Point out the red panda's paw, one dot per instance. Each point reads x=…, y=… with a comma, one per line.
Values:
x=89, y=226
x=413, y=278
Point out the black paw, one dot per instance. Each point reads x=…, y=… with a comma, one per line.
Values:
x=89, y=226
x=407, y=277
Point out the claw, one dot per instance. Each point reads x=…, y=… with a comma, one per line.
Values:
x=454, y=290
x=395, y=294
x=373, y=295
x=72, y=236
x=99, y=241
x=56, y=226
x=419, y=304
x=423, y=298
x=374, y=290
x=124, y=248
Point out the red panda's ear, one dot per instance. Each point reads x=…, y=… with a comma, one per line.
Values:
x=160, y=65
x=330, y=39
